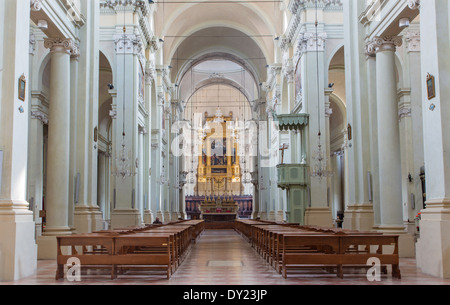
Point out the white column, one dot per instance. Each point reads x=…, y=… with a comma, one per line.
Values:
x=57, y=191
x=359, y=209
x=101, y=190
x=36, y=164
x=373, y=136
x=17, y=246
x=74, y=61
x=141, y=162
x=87, y=216
x=411, y=128
x=319, y=212
x=388, y=134
x=126, y=133
x=433, y=248
x=149, y=80
x=389, y=162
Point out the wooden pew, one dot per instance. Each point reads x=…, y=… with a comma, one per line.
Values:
x=153, y=250
x=338, y=250
x=326, y=248
x=67, y=248
x=150, y=247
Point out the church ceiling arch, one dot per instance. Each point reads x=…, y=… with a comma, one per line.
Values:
x=257, y=20
x=220, y=81
x=217, y=67
x=217, y=42
x=226, y=97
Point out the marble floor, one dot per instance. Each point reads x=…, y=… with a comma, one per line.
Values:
x=223, y=257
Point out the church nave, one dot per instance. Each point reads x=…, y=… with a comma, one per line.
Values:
x=223, y=257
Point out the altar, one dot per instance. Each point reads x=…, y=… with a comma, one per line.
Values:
x=219, y=212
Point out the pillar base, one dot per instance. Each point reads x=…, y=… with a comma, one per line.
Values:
x=18, y=250
x=279, y=216
x=271, y=216
x=148, y=217
x=255, y=214
x=125, y=218
x=406, y=241
x=160, y=216
x=359, y=217
x=319, y=217
x=433, y=246
x=175, y=216
x=263, y=215
x=167, y=216
x=47, y=241
x=88, y=219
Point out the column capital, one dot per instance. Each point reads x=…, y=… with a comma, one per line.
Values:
x=288, y=71
x=310, y=42
x=39, y=115
x=414, y=4
x=59, y=45
x=387, y=43
x=36, y=5
x=75, y=52
x=32, y=44
x=127, y=43
x=370, y=49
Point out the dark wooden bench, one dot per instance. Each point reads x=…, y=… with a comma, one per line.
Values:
x=153, y=247
x=338, y=250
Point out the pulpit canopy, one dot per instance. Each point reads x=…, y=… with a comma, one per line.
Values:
x=291, y=122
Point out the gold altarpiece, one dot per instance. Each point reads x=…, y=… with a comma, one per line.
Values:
x=219, y=173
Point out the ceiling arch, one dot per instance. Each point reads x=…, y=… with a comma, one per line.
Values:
x=217, y=42
x=258, y=20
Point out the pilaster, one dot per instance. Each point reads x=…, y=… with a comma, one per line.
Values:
x=17, y=230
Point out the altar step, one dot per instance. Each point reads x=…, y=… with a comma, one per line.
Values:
x=219, y=225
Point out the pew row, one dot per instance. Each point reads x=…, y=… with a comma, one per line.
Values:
x=155, y=248
x=293, y=247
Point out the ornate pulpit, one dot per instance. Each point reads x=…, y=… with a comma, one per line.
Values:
x=294, y=178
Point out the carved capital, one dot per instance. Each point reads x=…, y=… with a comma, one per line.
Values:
x=39, y=115
x=310, y=42
x=414, y=4
x=128, y=44
x=36, y=5
x=59, y=45
x=387, y=43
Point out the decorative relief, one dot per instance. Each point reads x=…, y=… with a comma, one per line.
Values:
x=413, y=41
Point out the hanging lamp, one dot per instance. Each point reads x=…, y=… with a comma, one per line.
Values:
x=124, y=167
x=320, y=169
